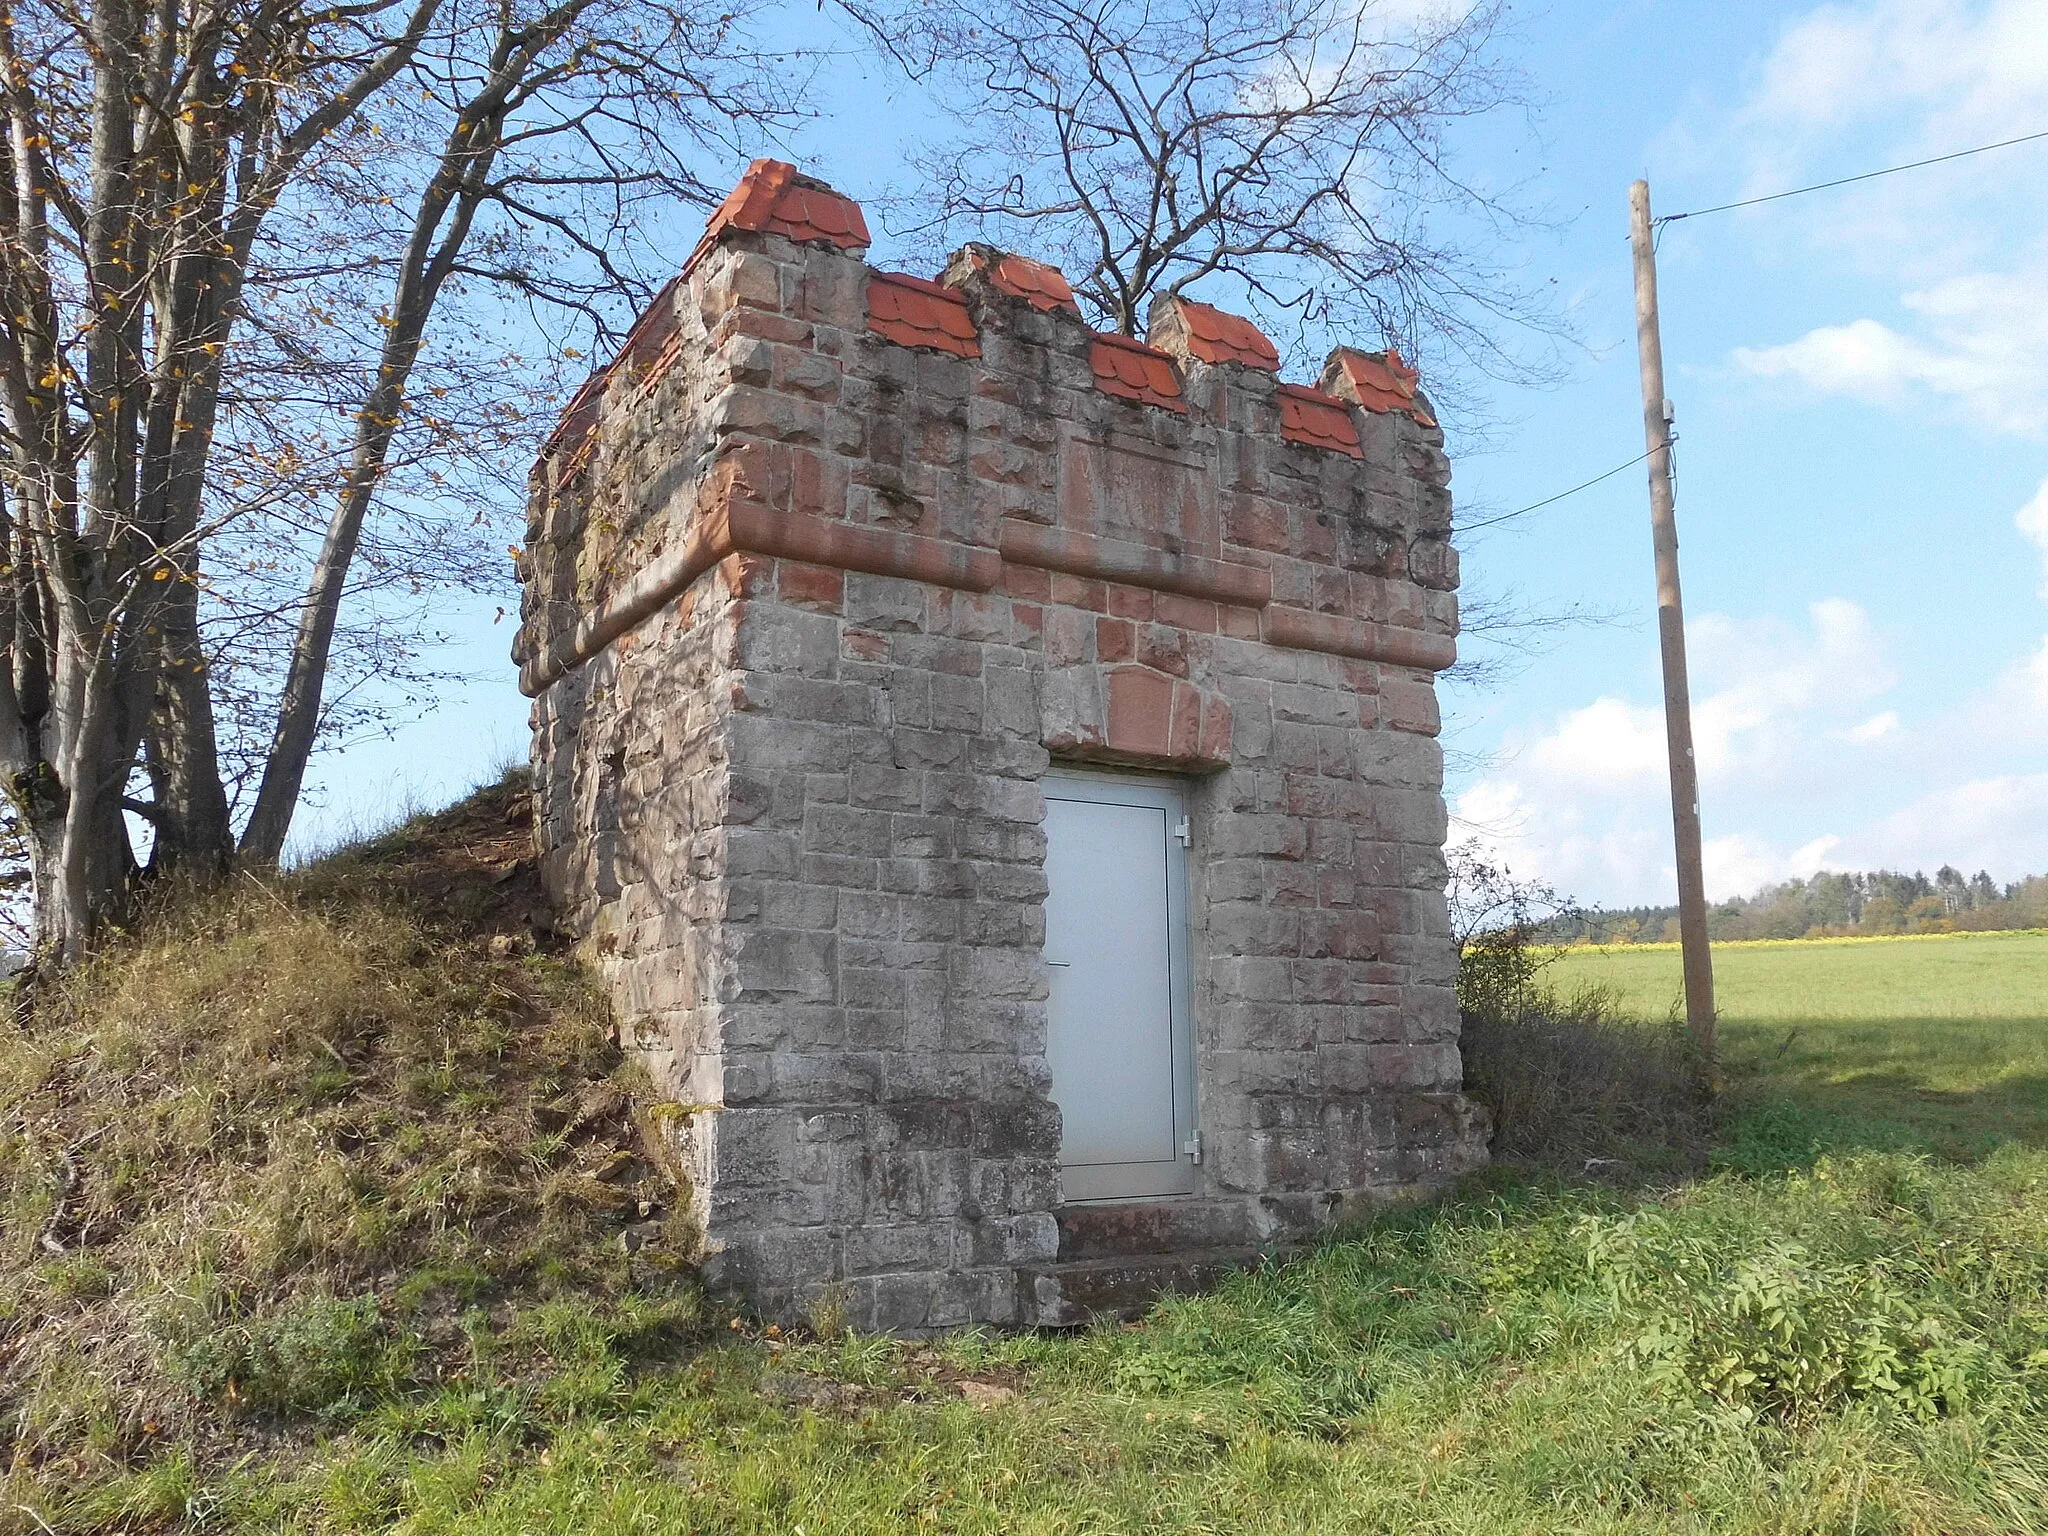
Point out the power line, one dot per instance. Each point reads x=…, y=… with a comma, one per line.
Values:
x=1749, y=202
x=1822, y=186
x=1560, y=496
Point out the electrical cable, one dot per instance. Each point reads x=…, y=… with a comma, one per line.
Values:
x=1748, y=202
x=1560, y=496
x=1822, y=186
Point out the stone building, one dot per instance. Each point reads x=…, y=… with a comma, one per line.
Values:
x=994, y=763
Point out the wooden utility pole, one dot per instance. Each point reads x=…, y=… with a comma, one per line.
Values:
x=1685, y=782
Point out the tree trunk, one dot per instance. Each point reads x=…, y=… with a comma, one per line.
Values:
x=453, y=195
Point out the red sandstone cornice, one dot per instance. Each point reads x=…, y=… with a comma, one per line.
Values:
x=733, y=518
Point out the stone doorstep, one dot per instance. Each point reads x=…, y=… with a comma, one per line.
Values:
x=1135, y=1228
x=1073, y=1293
x=1118, y=1257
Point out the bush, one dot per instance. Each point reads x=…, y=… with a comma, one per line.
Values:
x=1572, y=1082
x=315, y=1355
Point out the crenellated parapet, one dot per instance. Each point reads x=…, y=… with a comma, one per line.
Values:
x=777, y=312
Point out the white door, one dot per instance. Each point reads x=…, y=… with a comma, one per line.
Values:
x=1119, y=1040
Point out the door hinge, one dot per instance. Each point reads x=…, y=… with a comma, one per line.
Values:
x=1180, y=830
x=1193, y=1148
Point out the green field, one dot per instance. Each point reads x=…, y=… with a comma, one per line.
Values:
x=335, y=1267
x=1937, y=1044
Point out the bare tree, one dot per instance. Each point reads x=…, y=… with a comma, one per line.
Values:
x=1295, y=147
x=250, y=251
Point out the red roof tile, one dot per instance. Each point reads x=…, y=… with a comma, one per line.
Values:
x=914, y=313
x=1130, y=370
x=773, y=197
x=579, y=420
x=1377, y=381
x=1040, y=286
x=1319, y=420
x=1211, y=336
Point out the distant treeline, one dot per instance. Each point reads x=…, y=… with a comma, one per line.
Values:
x=1831, y=906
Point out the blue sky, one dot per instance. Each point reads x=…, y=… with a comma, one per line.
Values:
x=1861, y=384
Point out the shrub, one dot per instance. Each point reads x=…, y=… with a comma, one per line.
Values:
x=1572, y=1082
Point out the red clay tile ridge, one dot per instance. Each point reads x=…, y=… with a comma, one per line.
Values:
x=1202, y=333
x=1378, y=381
x=914, y=313
x=578, y=426
x=775, y=198
x=1042, y=287
x=1130, y=370
x=650, y=350
x=1319, y=420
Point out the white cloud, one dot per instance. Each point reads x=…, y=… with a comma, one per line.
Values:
x=1985, y=349
x=1998, y=823
x=2032, y=522
x=1787, y=739
x=1607, y=742
x=1586, y=803
x=1849, y=87
x=1740, y=863
x=1971, y=66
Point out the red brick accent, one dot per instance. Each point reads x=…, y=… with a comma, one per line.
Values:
x=1377, y=381
x=1130, y=370
x=1320, y=420
x=914, y=313
x=774, y=198
x=1208, y=335
x=1042, y=287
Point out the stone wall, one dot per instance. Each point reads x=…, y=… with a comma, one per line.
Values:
x=821, y=576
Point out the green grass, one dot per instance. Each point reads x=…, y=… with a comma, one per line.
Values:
x=1841, y=1328
x=1938, y=1044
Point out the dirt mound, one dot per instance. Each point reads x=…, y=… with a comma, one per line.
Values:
x=291, y=1143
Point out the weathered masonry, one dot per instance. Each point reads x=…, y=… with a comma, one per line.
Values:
x=995, y=763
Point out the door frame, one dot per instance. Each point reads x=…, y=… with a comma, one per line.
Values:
x=1146, y=1181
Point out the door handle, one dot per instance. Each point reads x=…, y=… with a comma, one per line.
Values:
x=1065, y=965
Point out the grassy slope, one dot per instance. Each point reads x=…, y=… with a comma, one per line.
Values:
x=458, y=1342
x=1935, y=1043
